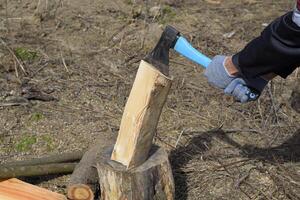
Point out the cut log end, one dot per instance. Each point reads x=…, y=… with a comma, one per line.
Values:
x=80, y=192
x=83, y=184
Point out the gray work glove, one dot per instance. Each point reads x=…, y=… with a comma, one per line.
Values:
x=235, y=86
x=216, y=73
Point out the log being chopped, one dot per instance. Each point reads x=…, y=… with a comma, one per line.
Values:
x=135, y=169
x=144, y=105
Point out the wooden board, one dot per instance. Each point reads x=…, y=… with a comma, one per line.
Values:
x=142, y=111
x=14, y=189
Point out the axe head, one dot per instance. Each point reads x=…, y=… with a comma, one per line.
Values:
x=159, y=56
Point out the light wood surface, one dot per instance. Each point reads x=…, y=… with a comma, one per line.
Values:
x=141, y=115
x=14, y=189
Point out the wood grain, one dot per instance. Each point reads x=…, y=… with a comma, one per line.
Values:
x=14, y=189
x=141, y=115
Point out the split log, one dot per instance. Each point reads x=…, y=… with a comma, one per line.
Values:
x=141, y=115
x=59, y=158
x=36, y=170
x=14, y=189
x=152, y=180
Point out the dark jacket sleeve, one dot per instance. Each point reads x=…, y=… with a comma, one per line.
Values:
x=276, y=50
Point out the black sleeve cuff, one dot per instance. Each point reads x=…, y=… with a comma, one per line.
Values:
x=276, y=50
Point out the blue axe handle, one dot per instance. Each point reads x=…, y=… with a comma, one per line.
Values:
x=184, y=48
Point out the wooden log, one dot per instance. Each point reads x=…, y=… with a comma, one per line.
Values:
x=36, y=170
x=14, y=189
x=141, y=115
x=59, y=158
x=84, y=183
x=152, y=180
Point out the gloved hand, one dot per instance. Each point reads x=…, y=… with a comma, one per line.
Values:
x=240, y=91
x=235, y=86
x=216, y=73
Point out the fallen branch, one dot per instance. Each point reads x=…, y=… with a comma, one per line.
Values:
x=83, y=183
x=60, y=158
x=36, y=170
x=14, y=55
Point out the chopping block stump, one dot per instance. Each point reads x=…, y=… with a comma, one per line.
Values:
x=152, y=180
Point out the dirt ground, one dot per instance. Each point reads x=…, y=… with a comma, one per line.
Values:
x=82, y=57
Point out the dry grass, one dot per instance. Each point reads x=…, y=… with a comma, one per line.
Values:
x=88, y=53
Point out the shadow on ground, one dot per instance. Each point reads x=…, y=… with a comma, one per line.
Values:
x=288, y=151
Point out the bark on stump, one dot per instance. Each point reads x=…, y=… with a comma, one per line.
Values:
x=83, y=184
x=153, y=180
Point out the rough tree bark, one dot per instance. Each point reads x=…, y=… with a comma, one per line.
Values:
x=59, y=158
x=36, y=170
x=83, y=184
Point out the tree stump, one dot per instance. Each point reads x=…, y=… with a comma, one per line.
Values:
x=153, y=180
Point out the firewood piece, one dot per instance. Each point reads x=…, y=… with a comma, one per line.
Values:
x=80, y=192
x=153, y=180
x=14, y=189
x=59, y=158
x=83, y=183
x=36, y=170
x=141, y=115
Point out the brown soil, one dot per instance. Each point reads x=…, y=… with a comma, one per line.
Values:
x=85, y=54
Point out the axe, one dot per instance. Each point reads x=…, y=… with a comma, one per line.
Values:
x=172, y=39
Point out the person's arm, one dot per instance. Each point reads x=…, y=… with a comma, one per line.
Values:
x=275, y=52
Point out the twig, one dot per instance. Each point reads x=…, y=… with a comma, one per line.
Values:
x=6, y=13
x=241, y=130
x=161, y=140
x=64, y=62
x=179, y=138
x=14, y=55
x=120, y=29
x=273, y=103
x=16, y=69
